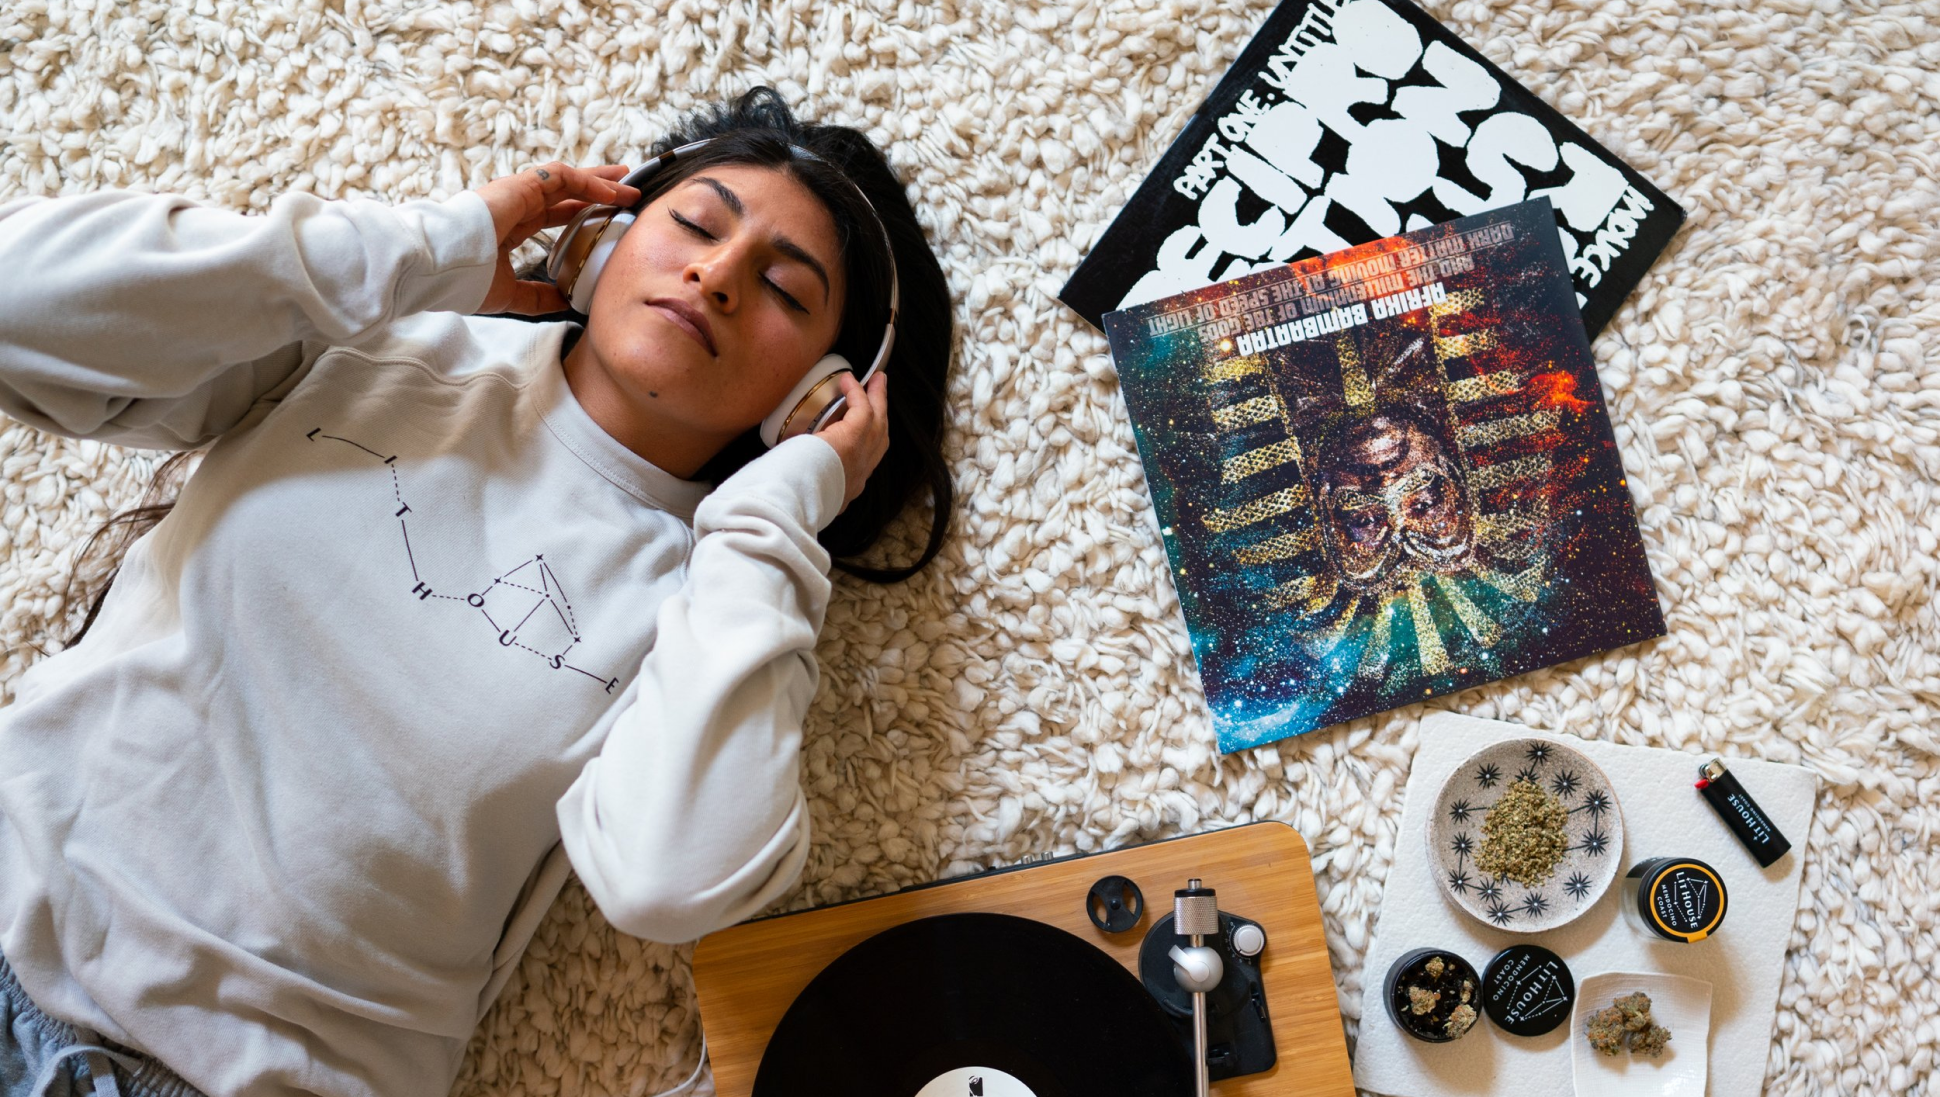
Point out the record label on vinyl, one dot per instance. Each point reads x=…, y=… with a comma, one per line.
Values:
x=975, y=1082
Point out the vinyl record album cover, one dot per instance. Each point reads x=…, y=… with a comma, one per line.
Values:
x=1384, y=474
x=1344, y=121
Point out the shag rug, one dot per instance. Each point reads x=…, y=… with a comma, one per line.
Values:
x=1774, y=382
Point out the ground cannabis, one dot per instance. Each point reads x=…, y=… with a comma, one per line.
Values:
x=1522, y=835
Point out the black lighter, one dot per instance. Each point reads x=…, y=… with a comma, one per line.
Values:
x=1741, y=813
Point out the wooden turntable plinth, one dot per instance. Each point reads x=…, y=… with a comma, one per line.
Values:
x=747, y=976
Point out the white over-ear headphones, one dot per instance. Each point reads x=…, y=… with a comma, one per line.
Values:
x=580, y=253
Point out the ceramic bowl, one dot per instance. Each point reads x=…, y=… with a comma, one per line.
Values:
x=1679, y=1003
x=1593, y=835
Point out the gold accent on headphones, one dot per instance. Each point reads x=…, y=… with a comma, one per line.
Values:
x=804, y=401
x=580, y=245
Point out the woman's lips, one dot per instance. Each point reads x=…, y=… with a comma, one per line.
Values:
x=685, y=318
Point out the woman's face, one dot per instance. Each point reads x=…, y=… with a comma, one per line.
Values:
x=717, y=301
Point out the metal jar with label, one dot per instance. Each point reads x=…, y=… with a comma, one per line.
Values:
x=1676, y=898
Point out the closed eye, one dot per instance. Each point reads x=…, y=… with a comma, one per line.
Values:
x=689, y=225
x=785, y=296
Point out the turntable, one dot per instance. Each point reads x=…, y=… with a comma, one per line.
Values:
x=1057, y=979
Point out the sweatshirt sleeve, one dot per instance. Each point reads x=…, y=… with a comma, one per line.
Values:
x=147, y=319
x=692, y=816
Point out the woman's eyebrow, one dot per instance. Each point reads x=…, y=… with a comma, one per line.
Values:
x=782, y=243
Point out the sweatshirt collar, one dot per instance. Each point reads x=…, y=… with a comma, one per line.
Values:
x=588, y=441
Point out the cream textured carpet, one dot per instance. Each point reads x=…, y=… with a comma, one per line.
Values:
x=1773, y=381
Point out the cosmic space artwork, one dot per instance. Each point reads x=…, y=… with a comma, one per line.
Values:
x=1384, y=474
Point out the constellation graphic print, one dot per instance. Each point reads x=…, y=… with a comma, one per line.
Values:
x=1344, y=121
x=525, y=606
x=1528, y=990
x=1384, y=475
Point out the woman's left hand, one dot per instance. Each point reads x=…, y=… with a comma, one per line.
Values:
x=861, y=434
x=541, y=198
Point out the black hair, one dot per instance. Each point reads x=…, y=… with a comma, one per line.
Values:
x=758, y=128
x=850, y=177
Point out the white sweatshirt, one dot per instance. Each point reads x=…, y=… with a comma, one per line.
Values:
x=288, y=816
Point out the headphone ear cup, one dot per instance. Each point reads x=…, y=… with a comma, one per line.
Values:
x=581, y=297
x=807, y=403
x=580, y=253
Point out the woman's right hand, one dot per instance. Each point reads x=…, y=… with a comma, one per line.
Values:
x=861, y=434
x=541, y=198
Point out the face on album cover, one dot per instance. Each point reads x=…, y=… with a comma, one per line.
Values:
x=1384, y=475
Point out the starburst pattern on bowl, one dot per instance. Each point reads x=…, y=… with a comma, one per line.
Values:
x=1593, y=827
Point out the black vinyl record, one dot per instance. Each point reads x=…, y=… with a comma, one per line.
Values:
x=964, y=1004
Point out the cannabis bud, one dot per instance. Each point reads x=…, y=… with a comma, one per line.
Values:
x=1627, y=1023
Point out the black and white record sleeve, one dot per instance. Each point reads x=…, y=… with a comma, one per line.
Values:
x=1344, y=121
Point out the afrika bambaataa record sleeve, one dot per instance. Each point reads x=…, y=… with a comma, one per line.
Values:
x=1343, y=121
x=1384, y=474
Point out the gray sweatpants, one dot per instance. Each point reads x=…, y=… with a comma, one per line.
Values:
x=43, y=1057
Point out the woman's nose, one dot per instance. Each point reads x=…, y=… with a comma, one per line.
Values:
x=718, y=276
